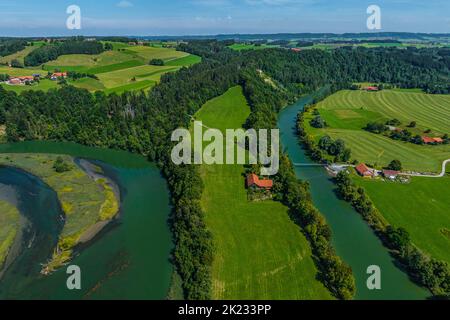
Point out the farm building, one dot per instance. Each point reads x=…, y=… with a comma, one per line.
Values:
x=364, y=170
x=20, y=80
x=390, y=174
x=428, y=140
x=296, y=49
x=57, y=75
x=371, y=88
x=253, y=181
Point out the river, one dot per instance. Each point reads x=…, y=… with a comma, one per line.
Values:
x=353, y=239
x=127, y=260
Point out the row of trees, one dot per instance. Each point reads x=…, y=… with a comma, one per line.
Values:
x=399, y=134
x=52, y=51
x=428, y=272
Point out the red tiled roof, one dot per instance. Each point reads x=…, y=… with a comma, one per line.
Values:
x=60, y=74
x=26, y=78
x=296, y=49
x=363, y=169
x=253, y=179
x=438, y=140
x=390, y=173
x=428, y=140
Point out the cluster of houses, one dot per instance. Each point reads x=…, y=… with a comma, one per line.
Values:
x=22, y=80
x=364, y=171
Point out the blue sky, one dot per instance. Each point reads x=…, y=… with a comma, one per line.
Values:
x=186, y=17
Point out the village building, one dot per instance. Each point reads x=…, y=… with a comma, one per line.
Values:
x=390, y=174
x=21, y=80
x=296, y=49
x=428, y=140
x=253, y=181
x=371, y=88
x=58, y=75
x=364, y=171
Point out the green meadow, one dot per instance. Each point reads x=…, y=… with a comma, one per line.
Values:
x=348, y=112
x=43, y=85
x=9, y=227
x=250, y=46
x=83, y=200
x=421, y=207
x=259, y=252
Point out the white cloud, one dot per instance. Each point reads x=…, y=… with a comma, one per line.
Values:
x=125, y=4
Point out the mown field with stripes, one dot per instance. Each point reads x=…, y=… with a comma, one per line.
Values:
x=259, y=252
x=348, y=112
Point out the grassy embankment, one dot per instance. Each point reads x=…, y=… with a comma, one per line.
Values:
x=83, y=200
x=260, y=253
x=348, y=112
x=124, y=68
x=9, y=227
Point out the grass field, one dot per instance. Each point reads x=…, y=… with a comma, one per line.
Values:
x=260, y=253
x=348, y=112
x=245, y=46
x=149, y=53
x=421, y=207
x=17, y=72
x=83, y=199
x=9, y=227
x=125, y=76
x=43, y=85
x=185, y=61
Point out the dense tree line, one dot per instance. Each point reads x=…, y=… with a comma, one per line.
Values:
x=12, y=46
x=52, y=51
x=311, y=69
x=428, y=272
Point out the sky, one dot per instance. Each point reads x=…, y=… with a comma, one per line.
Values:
x=208, y=17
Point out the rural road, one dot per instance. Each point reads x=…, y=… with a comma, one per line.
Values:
x=442, y=174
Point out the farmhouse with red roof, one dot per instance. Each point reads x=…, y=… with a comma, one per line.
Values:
x=57, y=75
x=364, y=170
x=254, y=181
x=428, y=140
x=371, y=88
x=390, y=174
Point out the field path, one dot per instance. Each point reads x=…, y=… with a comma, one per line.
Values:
x=441, y=175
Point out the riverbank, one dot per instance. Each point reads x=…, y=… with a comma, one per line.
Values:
x=10, y=228
x=114, y=199
x=84, y=201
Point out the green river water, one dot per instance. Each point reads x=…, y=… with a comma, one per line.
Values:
x=127, y=260
x=353, y=239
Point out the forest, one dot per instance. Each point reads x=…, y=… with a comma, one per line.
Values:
x=11, y=46
x=52, y=51
x=142, y=123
